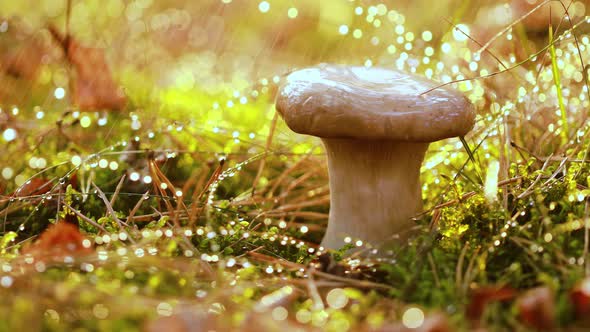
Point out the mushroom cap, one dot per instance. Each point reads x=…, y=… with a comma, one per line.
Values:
x=337, y=101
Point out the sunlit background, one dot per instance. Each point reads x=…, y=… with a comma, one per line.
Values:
x=194, y=82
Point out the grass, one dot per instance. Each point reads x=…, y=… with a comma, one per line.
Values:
x=200, y=207
x=557, y=80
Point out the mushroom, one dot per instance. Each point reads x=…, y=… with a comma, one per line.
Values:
x=376, y=125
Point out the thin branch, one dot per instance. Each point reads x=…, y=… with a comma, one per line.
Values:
x=131, y=215
x=117, y=190
x=108, y=205
x=86, y=219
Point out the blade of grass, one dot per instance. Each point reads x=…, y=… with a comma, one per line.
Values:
x=472, y=158
x=557, y=81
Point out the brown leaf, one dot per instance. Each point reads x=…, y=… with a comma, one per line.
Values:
x=21, y=50
x=4, y=119
x=59, y=240
x=536, y=308
x=480, y=297
x=23, y=61
x=34, y=187
x=93, y=87
x=580, y=298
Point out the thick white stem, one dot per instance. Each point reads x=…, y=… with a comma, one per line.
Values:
x=374, y=189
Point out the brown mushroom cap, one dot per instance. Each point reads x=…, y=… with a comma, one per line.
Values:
x=336, y=101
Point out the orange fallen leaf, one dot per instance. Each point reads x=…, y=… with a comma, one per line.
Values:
x=58, y=240
x=580, y=298
x=21, y=51
x=24, y=61
x=536, y=308
x=480, y=297
x=93, y=87
x=34, y=187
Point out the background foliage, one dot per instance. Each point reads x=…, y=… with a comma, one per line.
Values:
x=200, y=208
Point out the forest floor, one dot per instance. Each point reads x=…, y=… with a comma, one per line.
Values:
x=147, y=183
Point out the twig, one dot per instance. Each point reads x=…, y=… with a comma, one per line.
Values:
x=353, y=282
x=290, y=207
x=530, y=188
x=58, y=203
x=131, y=215
x=212, y=180
x=476, y=42
x=88, y=220
x=459, y=267
x=318, y=304
x=160, y=178
x=557, y=171
x=434, y=271
x=109, y=207
x=302, y=214
x=284, y=174
x=520, y=149
x=468, y=272
x=468, y=195
x=68, y=14
x=195, y=198
x=117, y=190
x=296, y=266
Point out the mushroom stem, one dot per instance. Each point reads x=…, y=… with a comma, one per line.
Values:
x=374, y=189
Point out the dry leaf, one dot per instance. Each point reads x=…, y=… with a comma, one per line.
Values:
x=480, y=297
x=21, y=50
x=580, y=298
x=93, y=87
x=59, y=240
x=536, y=308
x=22, y=54
x=34, y=187
x=4, y=119
x=23, y=61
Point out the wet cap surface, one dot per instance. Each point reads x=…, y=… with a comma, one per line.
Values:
x=336, y=101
